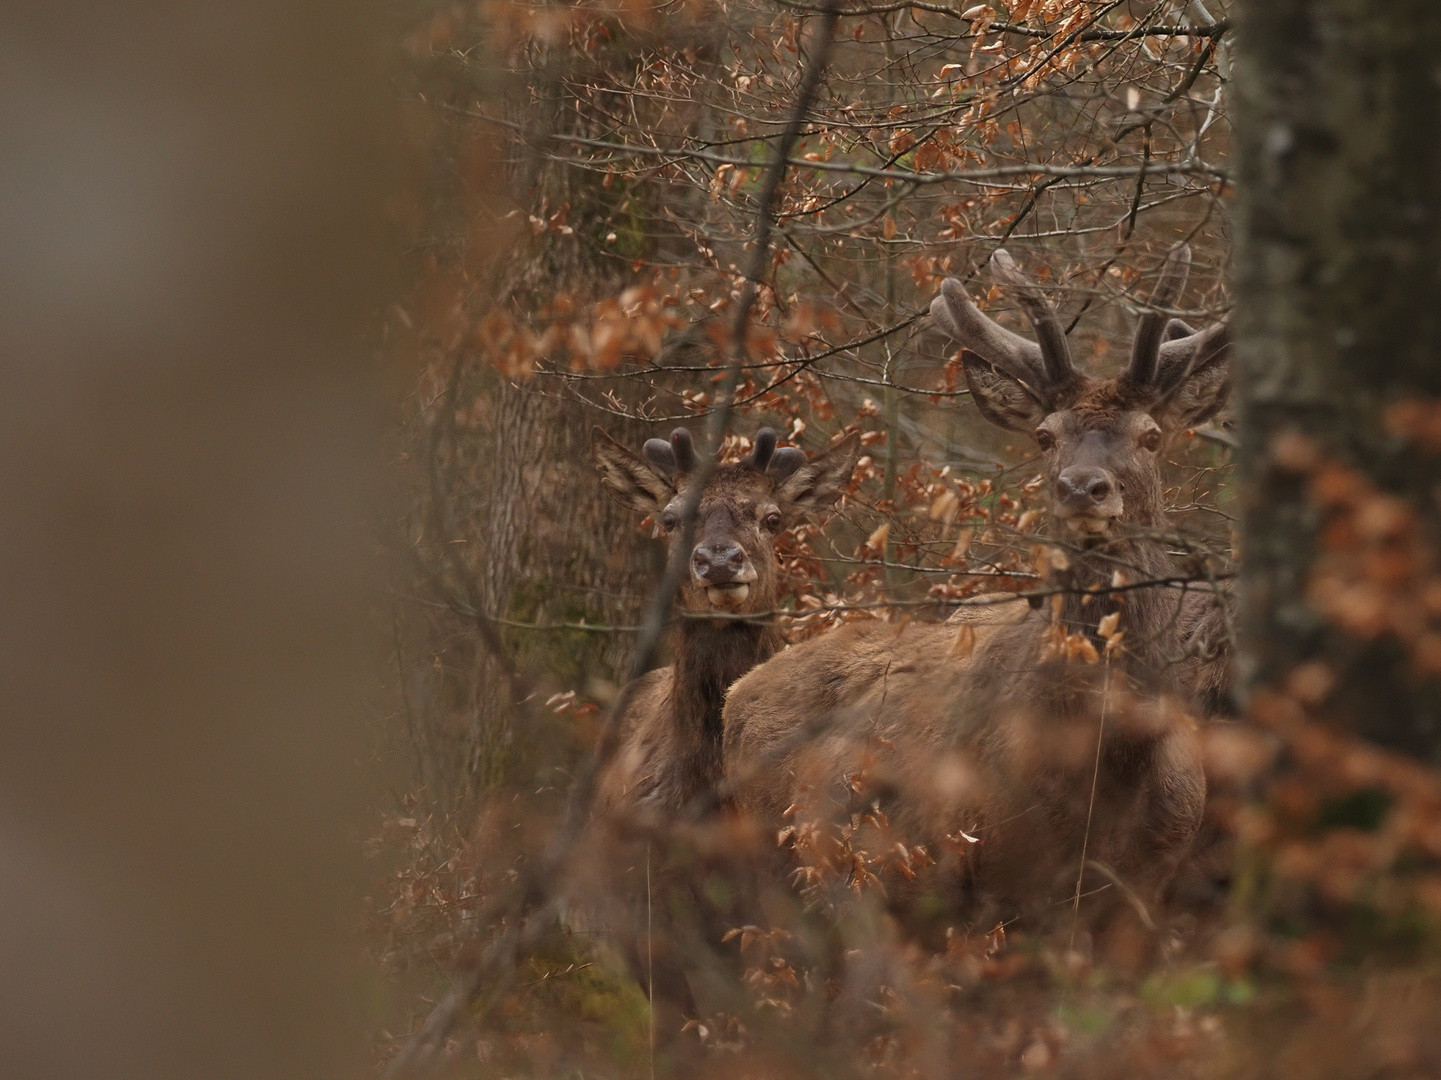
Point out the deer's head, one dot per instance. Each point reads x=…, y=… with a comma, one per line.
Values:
x=1101, y=439
x=743, y=508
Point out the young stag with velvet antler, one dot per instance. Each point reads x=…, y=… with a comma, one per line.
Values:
x=667, y=769
x=670, y=749
x=1008, y=763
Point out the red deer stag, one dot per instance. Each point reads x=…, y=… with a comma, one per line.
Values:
x=670, y=750
x=1010, y=765
x=668, y=765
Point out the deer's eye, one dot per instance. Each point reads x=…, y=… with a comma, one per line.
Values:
x=772, y=521
x=668, y=520
x=1045, y=438
x=1151, y=440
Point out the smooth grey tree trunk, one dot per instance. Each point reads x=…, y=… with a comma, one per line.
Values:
x=1338, y=290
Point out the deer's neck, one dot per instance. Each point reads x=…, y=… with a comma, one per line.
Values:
x=1147, y=615
x=709, y=657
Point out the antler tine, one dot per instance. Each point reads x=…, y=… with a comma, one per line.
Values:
x=683, y=447
x=786, y=460
x=956, y=313
x=1055, y=350
x=659, y=454
x=1177, y=329
x=765, y=446
x=1145, y=350
x=1178, y=357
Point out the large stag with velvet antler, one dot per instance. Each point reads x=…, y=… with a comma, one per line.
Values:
x=992, y=745
x=670, y=748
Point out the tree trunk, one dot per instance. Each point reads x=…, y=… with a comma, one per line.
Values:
x=541, y=542
x=552, y=548
x=1338, y=275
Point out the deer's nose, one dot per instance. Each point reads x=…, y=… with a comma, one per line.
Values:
x=718, y=563
x=1082, y=488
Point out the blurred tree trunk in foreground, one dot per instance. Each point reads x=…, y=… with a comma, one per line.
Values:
x=192, y=231
x=1339, y=319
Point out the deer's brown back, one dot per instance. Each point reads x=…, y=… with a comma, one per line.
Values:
x=978, y=757
x=807, y=716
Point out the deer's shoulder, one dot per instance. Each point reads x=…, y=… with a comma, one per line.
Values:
x=642, y=739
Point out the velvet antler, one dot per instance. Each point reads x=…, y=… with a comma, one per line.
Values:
x=1044, y=365
x=1155, y=325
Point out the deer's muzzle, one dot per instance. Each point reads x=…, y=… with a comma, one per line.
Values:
x=1088, y=499
x=724, y=571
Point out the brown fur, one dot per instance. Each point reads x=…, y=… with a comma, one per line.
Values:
x=1001, y=745
x=1208, y=676
x=1208, y=671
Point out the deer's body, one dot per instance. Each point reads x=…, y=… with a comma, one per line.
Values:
x=670, y=752
x=997, y=745
x=1008, y=763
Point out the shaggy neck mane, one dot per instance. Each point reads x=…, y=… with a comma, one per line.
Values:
x=709, y=656
x=1148, y=615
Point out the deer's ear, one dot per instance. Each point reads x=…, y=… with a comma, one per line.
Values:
x=628, y=479
x=1201, y=394
x=1003, y=399
x=818, y=483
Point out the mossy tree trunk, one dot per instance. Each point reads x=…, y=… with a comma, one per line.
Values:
x=538, y=536
x=1338, y=275
x=553, y=548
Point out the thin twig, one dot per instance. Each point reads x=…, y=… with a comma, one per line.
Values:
x=1091, y=805
x=998, y=172
x=649, y=959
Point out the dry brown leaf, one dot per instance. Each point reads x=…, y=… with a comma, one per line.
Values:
x=945, y=506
